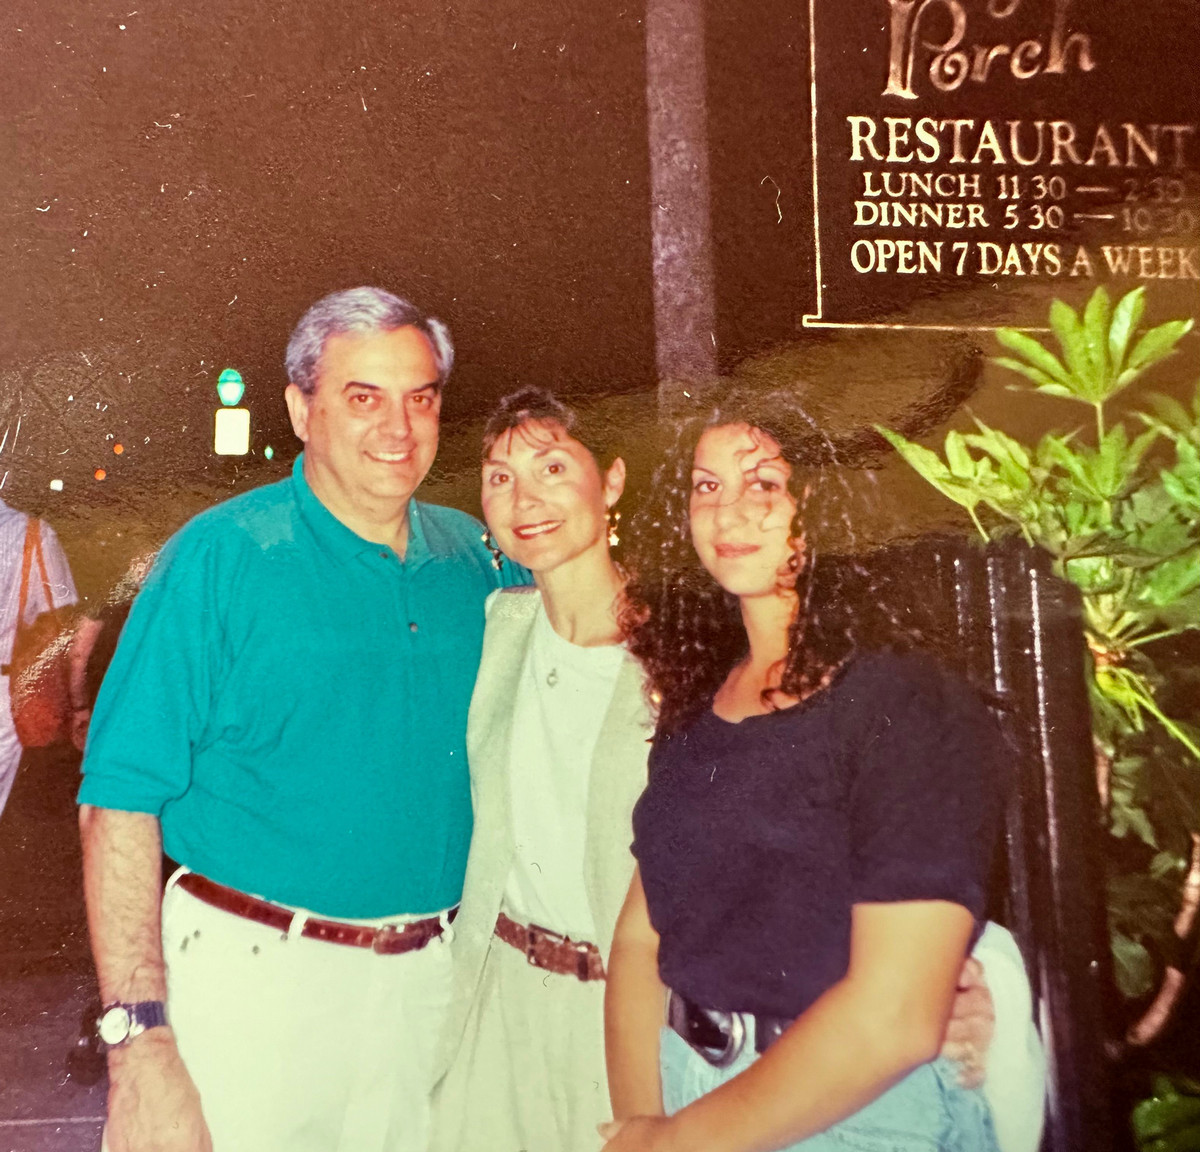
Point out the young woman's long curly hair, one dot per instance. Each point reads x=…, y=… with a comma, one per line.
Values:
x=687, y=630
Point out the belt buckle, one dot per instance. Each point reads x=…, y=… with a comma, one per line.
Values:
x=730, y=1025
x=558, y=940
x=733, y=1046
x=531, y=936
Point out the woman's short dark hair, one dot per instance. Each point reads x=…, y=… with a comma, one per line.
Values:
x=540, y=405
x=686, y=629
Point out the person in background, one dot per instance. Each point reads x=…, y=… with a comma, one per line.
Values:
x=94, y=643
x=48, y=586
x=286, y=715
x=814, y=843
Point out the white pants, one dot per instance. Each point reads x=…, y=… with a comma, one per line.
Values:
x=297, y=1045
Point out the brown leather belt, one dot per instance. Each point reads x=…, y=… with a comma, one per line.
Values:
x=550, y=951
x=389, y=940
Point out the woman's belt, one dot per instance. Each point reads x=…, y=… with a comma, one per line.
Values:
x=388, y=939
x=719, y=1036
x=551, y=951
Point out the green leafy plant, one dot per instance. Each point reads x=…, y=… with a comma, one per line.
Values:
x=1117, y=506
x=1169, y=1120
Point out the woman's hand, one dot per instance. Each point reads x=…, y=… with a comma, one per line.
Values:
x=637, y=1134
x=972, y=1025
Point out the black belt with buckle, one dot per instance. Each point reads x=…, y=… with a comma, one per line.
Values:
x=719, y=1036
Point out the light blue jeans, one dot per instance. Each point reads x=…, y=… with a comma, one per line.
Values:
x=927, y=1111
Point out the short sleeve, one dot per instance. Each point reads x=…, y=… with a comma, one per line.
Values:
x=926, y=791
x=154, y=703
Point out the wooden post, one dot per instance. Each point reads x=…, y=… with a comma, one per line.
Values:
x=680, y=218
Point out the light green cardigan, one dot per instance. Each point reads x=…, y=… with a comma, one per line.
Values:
x=618, y=775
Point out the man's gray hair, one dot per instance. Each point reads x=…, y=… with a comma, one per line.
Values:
x=361, y=310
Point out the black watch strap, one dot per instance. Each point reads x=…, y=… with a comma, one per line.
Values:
x=148, y=1014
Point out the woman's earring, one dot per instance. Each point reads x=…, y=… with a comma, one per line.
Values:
x=796, y=559
x=613, y=516
x=490, y=544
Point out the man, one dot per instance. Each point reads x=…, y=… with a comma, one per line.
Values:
x=286, y=710
x=37, y=562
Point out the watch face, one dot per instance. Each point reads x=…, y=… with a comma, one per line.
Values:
x=113, y=1026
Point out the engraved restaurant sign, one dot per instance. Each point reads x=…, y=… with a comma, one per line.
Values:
x=971, y=157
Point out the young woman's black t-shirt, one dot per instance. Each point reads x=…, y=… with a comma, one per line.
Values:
x=755, y=839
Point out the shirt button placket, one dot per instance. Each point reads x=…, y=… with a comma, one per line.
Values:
x=397, y=579
x=404, y=621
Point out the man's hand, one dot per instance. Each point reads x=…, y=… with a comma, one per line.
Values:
x=637, y=1134
x=153, y=1106
x=972, y=1026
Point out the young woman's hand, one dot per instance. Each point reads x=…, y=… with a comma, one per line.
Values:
x=637, y=1134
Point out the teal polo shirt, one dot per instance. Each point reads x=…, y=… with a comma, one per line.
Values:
x=290, y=700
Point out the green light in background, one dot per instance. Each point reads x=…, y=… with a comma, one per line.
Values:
x=231, y=424
x=230, y=387
x=269, y=452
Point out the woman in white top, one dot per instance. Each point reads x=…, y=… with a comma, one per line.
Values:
x=557, y=743
x=558, y=739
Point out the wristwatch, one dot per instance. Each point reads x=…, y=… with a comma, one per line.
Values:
x=119, y=1023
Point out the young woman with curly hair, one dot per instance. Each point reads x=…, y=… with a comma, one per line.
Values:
x=814, y=842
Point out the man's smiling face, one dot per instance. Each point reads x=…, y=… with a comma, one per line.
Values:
x=370, y=426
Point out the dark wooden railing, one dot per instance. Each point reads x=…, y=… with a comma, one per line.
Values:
x=1020, y=634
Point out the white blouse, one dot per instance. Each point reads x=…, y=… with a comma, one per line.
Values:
x=564, y=693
